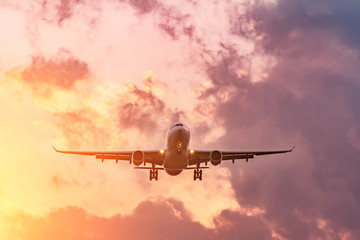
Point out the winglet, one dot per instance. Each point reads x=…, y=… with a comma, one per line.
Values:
x=292, y=148
x=55, y=149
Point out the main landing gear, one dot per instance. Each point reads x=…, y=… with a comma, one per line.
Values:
x=197, y=174
x=154, y=174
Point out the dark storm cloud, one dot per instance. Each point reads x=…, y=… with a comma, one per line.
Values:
x=310, y=96
x=164, y=219
x=331, y=18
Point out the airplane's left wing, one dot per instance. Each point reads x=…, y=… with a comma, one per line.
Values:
x=204, y=156
x=138, y=156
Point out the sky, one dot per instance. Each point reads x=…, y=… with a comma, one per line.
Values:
x=242, y=75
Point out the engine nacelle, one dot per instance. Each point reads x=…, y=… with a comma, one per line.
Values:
x=138, y=157
x=215, y=157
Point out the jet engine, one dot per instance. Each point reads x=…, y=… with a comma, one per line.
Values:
x=138, y=157
x=215, y=157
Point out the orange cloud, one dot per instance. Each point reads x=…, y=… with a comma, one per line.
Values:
x=63, y=71
x=140, y=108
x=165, y=219
x=81, y=126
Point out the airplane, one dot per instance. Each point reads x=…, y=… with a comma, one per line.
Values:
x=176, y=156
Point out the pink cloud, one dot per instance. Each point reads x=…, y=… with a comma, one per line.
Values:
x=140, y=108
x=175, y=24
x=45, y=75
x=65, y=9
x=144, y=6
x=309, y=97
x=81, y=126
x=151, y=220
x=58, y=181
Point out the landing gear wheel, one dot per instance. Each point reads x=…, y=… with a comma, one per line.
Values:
x=154, y=173
x=197, y=174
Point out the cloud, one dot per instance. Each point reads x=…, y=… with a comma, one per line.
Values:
x=66, y=89
x=331, y=19
x=144, y=6
x=82, y=125
x=65, y=9
x=61, y=72
x=231, y=225
x=174, y=23
x=308, y=96
x=169, y=19
x=63, y=87
x=55, y=12
x=161, y=219
x=58, y=181
x=140, y=108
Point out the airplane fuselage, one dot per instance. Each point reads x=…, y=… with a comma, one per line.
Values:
x=177, y=149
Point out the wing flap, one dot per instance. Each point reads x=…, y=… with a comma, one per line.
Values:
x=237, y=156
x=202, y=156
x=151, y=156
x=158, y=168
x=193, y=161
x=113, y=157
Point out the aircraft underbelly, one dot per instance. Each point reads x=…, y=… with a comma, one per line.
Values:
x=175, y=162
x=176, y=156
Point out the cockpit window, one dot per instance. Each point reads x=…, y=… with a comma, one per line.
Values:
x=177, y=125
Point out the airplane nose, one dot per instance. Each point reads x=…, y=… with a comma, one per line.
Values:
x=179, y=134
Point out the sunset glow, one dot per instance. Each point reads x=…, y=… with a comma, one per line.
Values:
x=114, y=75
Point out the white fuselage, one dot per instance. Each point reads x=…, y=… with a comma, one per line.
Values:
x=176, y=149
